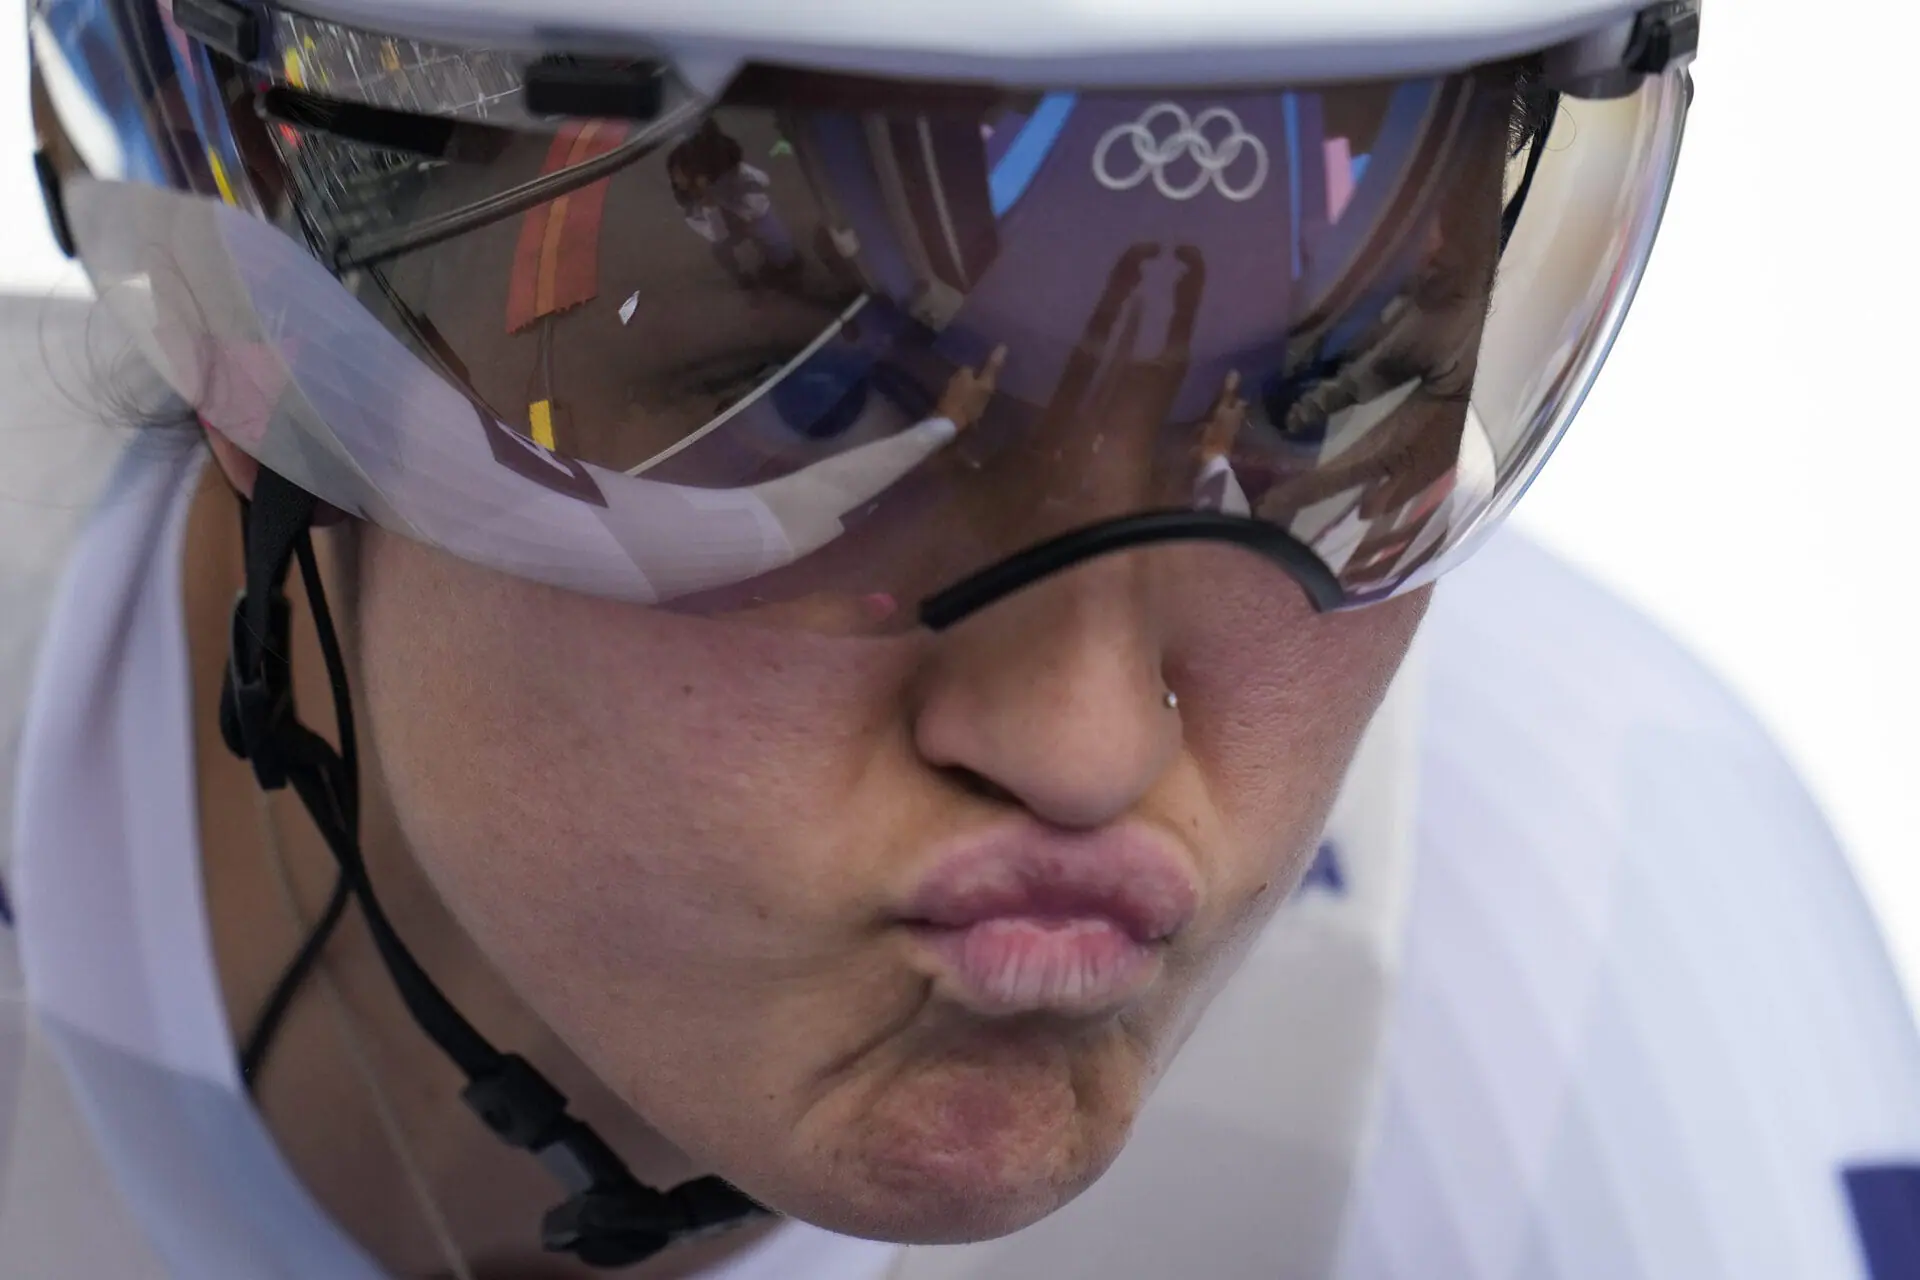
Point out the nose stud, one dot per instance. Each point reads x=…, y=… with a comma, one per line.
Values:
x=1172, y=700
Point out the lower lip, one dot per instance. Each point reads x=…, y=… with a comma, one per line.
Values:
x=1017, y=964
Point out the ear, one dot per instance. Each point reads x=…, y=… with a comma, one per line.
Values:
x=239, y=466
x=242, y=468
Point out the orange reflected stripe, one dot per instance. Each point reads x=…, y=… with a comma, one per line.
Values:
x=549, y=267
x=556, y=257
x=550, y=244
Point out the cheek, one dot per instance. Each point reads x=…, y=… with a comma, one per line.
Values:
x=671, y=838
x=1274, y=701
x=610, y=789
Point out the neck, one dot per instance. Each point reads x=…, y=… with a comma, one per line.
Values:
x=364, y=1106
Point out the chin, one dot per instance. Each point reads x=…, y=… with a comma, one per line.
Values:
x=941, y=1203
x=971, y=1143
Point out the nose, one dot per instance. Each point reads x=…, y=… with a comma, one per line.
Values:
x=1054, y=696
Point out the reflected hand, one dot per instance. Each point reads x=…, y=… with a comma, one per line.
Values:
x=969, y=391
x=1223, y=424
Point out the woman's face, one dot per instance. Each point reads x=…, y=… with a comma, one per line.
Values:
x=895, y=933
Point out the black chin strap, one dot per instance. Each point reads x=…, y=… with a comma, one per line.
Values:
x=609, y=1219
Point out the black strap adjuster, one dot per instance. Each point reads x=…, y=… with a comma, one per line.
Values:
x=620, y=1225
x=595, y=88
x=1662, y=36
x=256, y=702
x=227, y=25
x=517, y=1103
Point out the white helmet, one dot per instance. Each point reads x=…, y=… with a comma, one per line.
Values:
x=1017, y=42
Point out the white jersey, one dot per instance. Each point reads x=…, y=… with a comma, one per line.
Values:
x=1579, y=987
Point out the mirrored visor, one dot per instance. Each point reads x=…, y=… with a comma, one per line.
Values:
x=837, y=346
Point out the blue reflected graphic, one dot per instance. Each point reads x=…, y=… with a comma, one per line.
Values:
x=1027, y=150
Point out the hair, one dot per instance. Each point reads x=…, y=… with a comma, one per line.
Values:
x=104, y=375
x=1534, y=108
x=707, y=153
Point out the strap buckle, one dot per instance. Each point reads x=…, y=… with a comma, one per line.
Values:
x=256, y=701
x=618, y=1226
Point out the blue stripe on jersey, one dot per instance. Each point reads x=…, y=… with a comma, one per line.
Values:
x=1886, y=1212
x=1325, y=873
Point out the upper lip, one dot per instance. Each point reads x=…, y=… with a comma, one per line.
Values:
x=1125, y=873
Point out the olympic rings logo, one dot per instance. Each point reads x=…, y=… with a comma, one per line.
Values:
x=1156, y=155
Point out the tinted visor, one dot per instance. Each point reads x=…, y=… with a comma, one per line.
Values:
x=841, y=346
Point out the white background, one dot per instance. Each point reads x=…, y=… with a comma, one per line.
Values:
x=1748, y=470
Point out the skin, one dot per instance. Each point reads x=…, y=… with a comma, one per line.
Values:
x=658, y=855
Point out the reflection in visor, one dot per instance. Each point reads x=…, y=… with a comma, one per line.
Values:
x=845, y=344
x=1085, y=237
